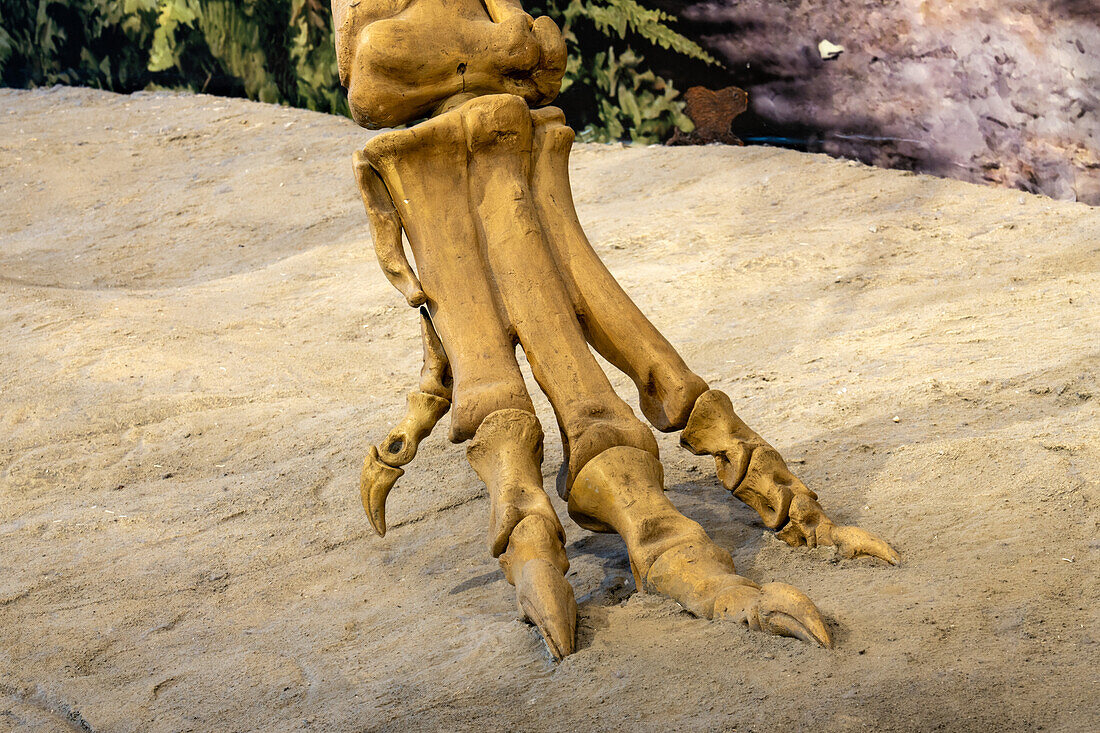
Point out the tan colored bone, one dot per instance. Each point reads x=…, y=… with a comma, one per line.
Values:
x=375, y=482
x=481, y=190
x=757, y=475
x=612, y=323
x=425, y=171
x=485, y=265
x=423, y=412
x=385, y=228
x=482, y=247
x=381, y=469
x=622, y=489
x=742, y=458
x=499, y=131
x=524, y=531
x=400, y=59
x=435, y=375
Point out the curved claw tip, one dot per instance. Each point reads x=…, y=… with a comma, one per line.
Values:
x=375, y=483
x=853, y=541
x=777, y=608
x=378, y=530
x=546, y=599
x=378, y=522
x=787, y=611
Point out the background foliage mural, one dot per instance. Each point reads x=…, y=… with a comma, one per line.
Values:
x=281, y=51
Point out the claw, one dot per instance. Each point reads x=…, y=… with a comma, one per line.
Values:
x=672, y=555
x=524, y=531
x=535, y=564
x=809, y=526
x=777, y=608
x=375, y=483
x=546, y=599
x=700, y=576
x=852, y=541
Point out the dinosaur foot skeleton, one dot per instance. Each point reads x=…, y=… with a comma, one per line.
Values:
x=481, y=190
x=621, y=491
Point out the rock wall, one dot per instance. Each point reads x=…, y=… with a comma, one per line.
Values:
x=1003, y=91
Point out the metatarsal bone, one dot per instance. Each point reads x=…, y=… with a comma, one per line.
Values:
x=425, y=172
x=613, y=324
x=592, y=416
x=435, y=375
x=385, y=228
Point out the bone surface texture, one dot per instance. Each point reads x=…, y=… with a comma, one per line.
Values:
x=479, y=184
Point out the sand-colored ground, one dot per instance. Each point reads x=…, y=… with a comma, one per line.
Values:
x=198, y=348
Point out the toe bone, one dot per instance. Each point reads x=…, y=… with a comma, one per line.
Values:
x=375, y=483
x=777, y=608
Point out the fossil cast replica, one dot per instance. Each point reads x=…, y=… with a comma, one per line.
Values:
x=480, y=186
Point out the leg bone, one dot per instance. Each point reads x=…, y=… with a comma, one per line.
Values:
x=435, y=375
x=385, y=225
x=426, y=171
x=593, y=417
x=423, y=412
x=611, y=322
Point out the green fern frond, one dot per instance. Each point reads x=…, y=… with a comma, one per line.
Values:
x=623, y=16
x=172, y=14
x=613, y=92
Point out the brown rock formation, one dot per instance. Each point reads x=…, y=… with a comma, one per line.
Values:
x=981, y=90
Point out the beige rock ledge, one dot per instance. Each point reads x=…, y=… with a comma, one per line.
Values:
x=198, y=346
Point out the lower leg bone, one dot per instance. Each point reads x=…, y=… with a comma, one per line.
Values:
x=499, y=132
x=612, y=323
x=524, y=531
x=757, y=475
x=426, y=174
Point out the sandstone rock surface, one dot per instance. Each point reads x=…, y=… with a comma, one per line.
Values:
x=199, y=346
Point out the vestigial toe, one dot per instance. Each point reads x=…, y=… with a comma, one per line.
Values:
x=375, y=482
